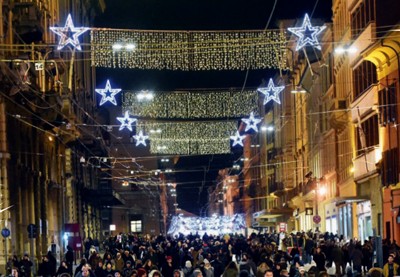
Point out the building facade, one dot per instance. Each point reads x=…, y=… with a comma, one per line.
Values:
x=46, y=96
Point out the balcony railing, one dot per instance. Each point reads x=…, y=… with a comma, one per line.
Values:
x=365, y=164
x=364, y=103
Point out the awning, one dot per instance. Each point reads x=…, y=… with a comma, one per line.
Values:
x=273, y=213
x=341, y=200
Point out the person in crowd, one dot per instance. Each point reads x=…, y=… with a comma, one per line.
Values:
x=357, y=257
x=167, y=269
x=338, y=259
x=141, y=272
x=99, y=269
x=231, y=270
x=63, y=269
x=188, y=269
x=391, y=269
x=69, y=258
x=119, y=262
x=25, y=266
x=320, y=259
x=45, y=267
x=208, y=269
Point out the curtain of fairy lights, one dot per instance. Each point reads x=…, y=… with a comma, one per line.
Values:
x=193, y=105
x=188, y=50
x=189, y=137
x=214, y=225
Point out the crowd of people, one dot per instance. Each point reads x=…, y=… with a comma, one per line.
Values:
x=259, y=255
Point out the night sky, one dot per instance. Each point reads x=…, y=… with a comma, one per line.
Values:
x=199, y=172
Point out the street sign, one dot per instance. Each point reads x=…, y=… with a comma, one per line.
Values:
x=316, y=219
x=5, y=232
x=32, y=229
x=39, y=66
x=282, y=226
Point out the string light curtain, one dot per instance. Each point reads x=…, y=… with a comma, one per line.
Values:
x=189, y=50
x=193, y=105
x=189, y=137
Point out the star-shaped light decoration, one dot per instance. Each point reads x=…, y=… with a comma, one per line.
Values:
x=307, y=34
x=271, y=92
x=108, y=94
x=251, y=122
x=140, y=138
x=126, y=121
x=237, y=139
x=69, y=34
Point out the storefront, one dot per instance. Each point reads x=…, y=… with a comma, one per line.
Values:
x=331, y=218
x=364, y=220
x=346, y=220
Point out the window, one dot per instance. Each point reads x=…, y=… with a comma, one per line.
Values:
x=362, y=16
x=388, y=105
x=136, y=226
x=364, y=76
x=368, y=134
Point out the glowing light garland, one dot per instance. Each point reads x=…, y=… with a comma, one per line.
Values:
x=251, y=122
x=215, y=225
x=108, y=94
x=140, y=138
x=189, y=50
x=189, y=137
x=65, y=34
x=126, y=122
x=237, y=139
x=192, y=105
x=307, y=34
x=271, y=92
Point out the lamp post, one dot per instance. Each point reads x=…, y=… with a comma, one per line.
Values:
x=319, y=191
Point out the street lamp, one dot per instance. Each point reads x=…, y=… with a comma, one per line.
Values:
x=320, y=191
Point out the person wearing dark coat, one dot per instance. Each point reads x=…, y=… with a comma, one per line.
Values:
x=338, y=259
x=320, y=259
x=167, y=269
x=45, y=268
x=357, y=257
x=63, y=269
x=25, y=266
x=53, y=262
x=69, y=258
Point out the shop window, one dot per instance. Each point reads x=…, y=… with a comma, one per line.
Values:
x=136, y=226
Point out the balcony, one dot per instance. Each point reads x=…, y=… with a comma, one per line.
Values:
x=365, y=164
x=275, y=187
x=309, y=186
x=363, y=41
x=365, y=103
x=28, y=25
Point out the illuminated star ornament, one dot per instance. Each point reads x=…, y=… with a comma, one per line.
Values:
x=108, y=94
x=140, y=138
x=251, y=122
x=126, y=121
x=69, y=34
x=271, y=92
x=237, y=139
x=307, y=34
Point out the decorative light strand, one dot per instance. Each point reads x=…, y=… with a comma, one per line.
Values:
x=189, y=50
x=190, y=137
x=192, y=105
